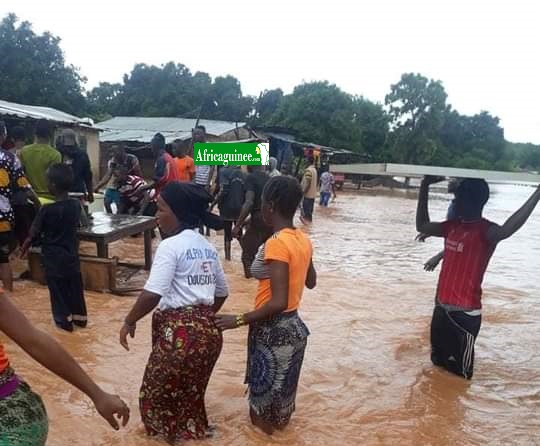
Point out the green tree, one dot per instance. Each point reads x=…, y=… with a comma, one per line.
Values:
x=488, y=138
x=172, y=90
x=227, y=102
x=474, y=141
x=33, y=69
x=416, y=106
x=266, y=105
x=526, y=156
x=319, y=112
x=372, y=122
x=157, y=91
x=102, y=101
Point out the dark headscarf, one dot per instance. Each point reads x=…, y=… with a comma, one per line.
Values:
x=189, y=202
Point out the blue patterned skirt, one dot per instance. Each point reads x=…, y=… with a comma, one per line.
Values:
x=275, y=354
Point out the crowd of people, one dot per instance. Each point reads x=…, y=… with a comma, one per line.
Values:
x=44, y=197
x=187, y=286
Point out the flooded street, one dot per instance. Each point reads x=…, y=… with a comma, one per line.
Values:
x=367, y=378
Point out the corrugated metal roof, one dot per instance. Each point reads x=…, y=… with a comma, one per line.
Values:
x=288, y=138
x=35, y=112
x=123, y=128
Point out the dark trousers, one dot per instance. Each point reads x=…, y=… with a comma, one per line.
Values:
x=67, y=300
x=452, y=340
x=307, y=208
x=256, y=234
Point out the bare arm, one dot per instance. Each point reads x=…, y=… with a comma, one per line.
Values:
x=218, y=303
x=432, y=263
x=218, y=196
x=34, y=198
x=145, y=304
x=104, y=180
x=497, y=233
x=423, y=223
x=45, y=350
x=137, y=169
x=210, y=176
x=279, y=283
x=88, y=180
x=246, y=208
x=311, y=279
x=144, y=202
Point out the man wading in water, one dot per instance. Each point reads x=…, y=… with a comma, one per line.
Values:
x=470, y=241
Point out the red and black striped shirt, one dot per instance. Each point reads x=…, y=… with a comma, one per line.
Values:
x=467, y=252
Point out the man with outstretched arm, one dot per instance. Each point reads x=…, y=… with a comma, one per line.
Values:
x=470, y=241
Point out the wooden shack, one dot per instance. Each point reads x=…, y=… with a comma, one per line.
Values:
x=27, y=115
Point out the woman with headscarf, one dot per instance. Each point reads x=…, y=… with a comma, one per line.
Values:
x=188, y=283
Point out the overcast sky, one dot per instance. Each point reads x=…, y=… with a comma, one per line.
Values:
x=485, y=52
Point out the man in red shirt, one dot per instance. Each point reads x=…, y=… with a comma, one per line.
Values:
x=470, y=241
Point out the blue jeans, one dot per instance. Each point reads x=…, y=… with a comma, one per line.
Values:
x=112, y=196
x=325, y=198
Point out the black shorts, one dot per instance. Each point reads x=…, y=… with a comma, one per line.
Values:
x=7, y=245
x=453, y=334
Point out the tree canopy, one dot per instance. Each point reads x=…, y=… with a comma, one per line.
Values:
x=33, y=69
x=171, y=90
x=415, y=124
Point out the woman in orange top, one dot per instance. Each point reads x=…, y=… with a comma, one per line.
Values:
x=23, y=419
x=277, y=336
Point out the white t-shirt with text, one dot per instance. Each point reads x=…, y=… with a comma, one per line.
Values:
x=186, y=271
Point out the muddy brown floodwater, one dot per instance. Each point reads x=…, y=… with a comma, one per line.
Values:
x=367, y=378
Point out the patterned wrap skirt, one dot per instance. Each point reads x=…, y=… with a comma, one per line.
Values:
x=23, y=419
x=275, y=354
x=186, y=344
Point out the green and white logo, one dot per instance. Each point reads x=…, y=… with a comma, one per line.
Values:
x=231, y=154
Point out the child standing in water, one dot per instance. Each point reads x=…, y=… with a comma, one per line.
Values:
x=470, y=241
x=55, y=229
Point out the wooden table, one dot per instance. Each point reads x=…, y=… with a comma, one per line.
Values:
x=107, y=228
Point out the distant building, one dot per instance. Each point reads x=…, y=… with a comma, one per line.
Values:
x=26, y=116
